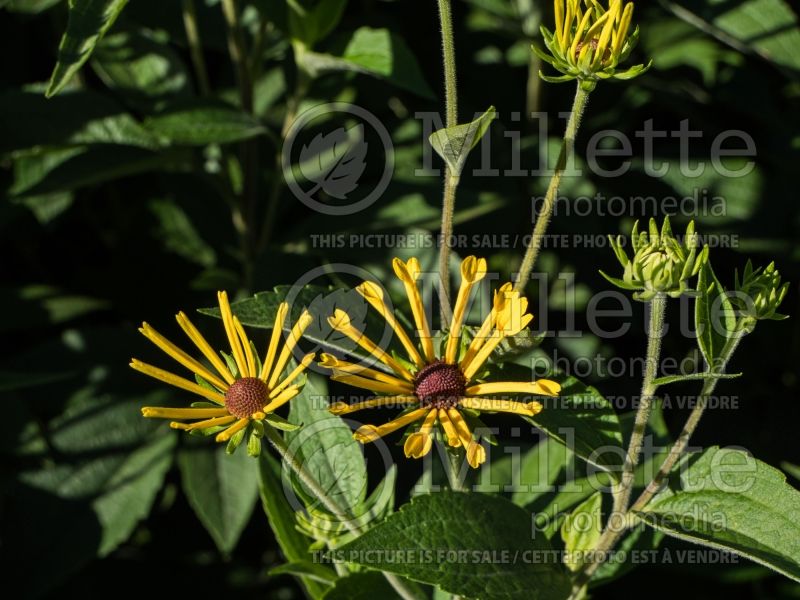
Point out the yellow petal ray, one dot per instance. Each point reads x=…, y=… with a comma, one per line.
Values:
x=543, y=387
x=293, y=375
x=177, y=381
x=372, y=385
x=370, y=433
x=486, y=350
x=419, y=443
x=230, y=331
x=528, y=409
x=449, y=429
x=502, y=296
x=472, y=271
x=181, y=356
x=248, y=350
x=568, y=26
x=605, y=37
x=331, y=362
x=198, y=340
x=158, y=412
x=282, y=398
x=560, y=25
x=596, y=27
x=476, y=453
x=215, y=422
x=373, y=294
x=343, y=408
x=579, y=32
x=340, y=321
x=294, y=336
x=408, y=273
x=621, y=32
x=224, y=436
x=272, y=349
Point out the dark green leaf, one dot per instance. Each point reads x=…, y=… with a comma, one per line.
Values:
x=694, y=377
x=432, y=528
x=714, y=316
x=454, y=144
x=306, y=568
x=362, y=586
x=88, y=21
x=202, y=124
x=222, y=489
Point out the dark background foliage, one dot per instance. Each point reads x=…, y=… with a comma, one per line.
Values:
x=101, y=228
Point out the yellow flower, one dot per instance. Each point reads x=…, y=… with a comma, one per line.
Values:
x=436, y=391
x=236, y=394
x=589, y=41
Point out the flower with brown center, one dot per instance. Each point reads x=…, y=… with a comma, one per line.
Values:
x=239, y=390
x=437, y=391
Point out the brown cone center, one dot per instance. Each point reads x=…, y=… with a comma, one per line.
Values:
x=246, y=396
x=440, y=385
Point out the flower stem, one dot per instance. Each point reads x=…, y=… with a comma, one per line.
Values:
x=195, y=46
x=546, y=212
x=450, y=178
x=453, y=466
x=330, y=504
x=616, y=524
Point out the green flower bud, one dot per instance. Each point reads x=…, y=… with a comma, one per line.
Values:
x=661, y=264
x=588, y=43
x=759, y=293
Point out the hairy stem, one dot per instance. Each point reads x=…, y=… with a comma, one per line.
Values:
x=330, y=504
x=195, y=46
x=543, y=218
x=617, y=522
x=450, y=178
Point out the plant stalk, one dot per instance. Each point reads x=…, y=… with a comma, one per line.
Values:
x=546, y=212
x=330, y=504
x=450, y=179
x=195, y=46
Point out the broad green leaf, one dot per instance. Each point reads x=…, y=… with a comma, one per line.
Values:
x=454, y=144
x=767, y=27
x=694, y=377
x=29, y=6
x=305, y=568
x=179, y=234
x=281, y=517
x=88, y=21
x=581, y=530
x=362, y=586
x=203, y=124
x=326, y=449
x=726, y=499
x=431, y=532
x=142, y=66
x=376, y=52
x=32, y=124
x=310, y=24
x=36, y=306
x=539, y=469
x=222, y=489
x=714, y=316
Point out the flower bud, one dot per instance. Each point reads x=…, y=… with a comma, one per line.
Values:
x=759, y=293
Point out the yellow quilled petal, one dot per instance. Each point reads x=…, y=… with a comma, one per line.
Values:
x=272, y=349
x=206, y=424
x=248, y=350
x=408, y=274
x=370, y=433
x=543, y=387
x=476, y=454
x=373, y=294
x=181, y=356
x=197, y=338
x=294, y=336
x=282, y=398
x=293, y=375
x=419, y=443
x=449, y=429
x=472, y=271
x=331, y=362
x=379, y=387
x=230, y=331
x=497, y=405
x=177, y=381
x=224, y=436
x=343, y=408
x=182, y=413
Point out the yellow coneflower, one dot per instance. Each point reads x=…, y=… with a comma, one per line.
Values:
x=239, y=390
x=437, y=391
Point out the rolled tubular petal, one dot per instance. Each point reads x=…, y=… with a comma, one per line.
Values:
x=408, y=273
x=182, y=413
x=215, y=422
x=528, y=409
x=419, y=443
x=224, y=436
x=373, y=294
x=331, y=362
x=293, y=375
x=542, y=387
x=379, y=387
x=198, y=340
x=294, y=336
x=275, y=337
x=472, y=271
x=230, y=331
x=449, y=429
x=177, y=381
x=343, y=408
x=370, y=433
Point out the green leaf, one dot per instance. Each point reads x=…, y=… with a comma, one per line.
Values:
x=376, y=52
x=202, y=124
x=581, y=530
x=694, y=377
x=281, y=517
x=539, y=469
x=454, y=144
x=433, y=527
x=582, y=419
x=768, y=28
x=726, y=499
x=305, y=568
x=279, y=422
x=326, y=448
x=714, y=315
x=362, y=586
x=88, y=21
x=222, y=489
x=312, y=24
x=36, y=306
x=179, y=234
